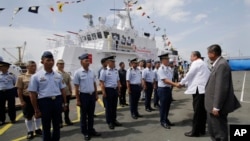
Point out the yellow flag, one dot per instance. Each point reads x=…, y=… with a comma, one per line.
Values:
x=60, y=5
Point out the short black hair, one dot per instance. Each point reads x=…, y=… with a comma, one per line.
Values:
x=103, y=60
x=215, y=48
x=121, y=63
x=197, y=54
x=30, y=62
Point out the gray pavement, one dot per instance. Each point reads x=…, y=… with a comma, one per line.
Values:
x=147, y=128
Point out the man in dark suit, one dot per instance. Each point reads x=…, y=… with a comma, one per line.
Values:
x=219, y=95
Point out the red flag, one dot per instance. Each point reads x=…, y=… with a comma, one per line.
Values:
x=143, y=13
x=51, y=8
x=169, y=43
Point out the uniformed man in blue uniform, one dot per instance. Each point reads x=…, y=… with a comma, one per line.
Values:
x=148, y=82
x=156, y=97
x=133, y=78
x=48, y=97
x=7, y=92
x=110, y=85
x=86, y=96
x=164, y=90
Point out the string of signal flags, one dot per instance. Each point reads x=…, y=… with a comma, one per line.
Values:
x=35, y=9
x=60, y=4
x=130, y=5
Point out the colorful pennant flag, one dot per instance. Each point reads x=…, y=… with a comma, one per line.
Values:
x=33, y=9
x=135, y=2
x=60, y=5
x=1, y=9
x=148, y=17
x=139, y=8
x=51, y=8
x=58, y=35
x=143, y=13
x=16, y=10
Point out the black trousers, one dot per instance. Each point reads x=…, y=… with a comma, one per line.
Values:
x=199, y=117
x=122, y=97
x=148, y=95
x=111, y=105
x=8, y=95
x=134, y=99
x=51, y=110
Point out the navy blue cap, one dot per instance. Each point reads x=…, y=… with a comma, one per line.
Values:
x=149, y=61
x=157, y=62
x=47, y=54
x=134, y=60
x=2, y=63
x=164, y=56
x=110, y=58
x=83, y=56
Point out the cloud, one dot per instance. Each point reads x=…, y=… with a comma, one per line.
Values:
x=199, y=17
x=171, y=9
x=36, y=41
x=247, y=2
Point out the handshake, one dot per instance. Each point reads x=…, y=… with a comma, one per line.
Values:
x=178, y=85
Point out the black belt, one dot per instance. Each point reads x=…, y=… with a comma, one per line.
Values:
x=86, y=93
x=52, y=97
x=135, y=84
x=113, y=88
x=5, y=90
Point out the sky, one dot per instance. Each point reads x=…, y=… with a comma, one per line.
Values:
x=189, y=24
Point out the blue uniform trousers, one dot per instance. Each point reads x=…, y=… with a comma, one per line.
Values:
x=51, y=109
x=87, y=112
x=165, y=101
x=7, y=95
x=156, y=97
x=111, y=104
x=148, y=95
x=134, y=97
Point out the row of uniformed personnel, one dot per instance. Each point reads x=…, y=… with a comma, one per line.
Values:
x=48, y=94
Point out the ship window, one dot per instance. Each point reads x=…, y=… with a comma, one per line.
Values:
x=93, y=36
x=88, y=37
x=106, y=33
x=115, y=36
x=99, y=35
x=84, y=38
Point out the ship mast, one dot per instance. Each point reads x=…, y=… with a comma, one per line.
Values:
x=128, y=13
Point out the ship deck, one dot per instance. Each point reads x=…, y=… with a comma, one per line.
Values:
x=147, y=128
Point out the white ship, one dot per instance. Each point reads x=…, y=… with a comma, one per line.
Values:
x=103, y=40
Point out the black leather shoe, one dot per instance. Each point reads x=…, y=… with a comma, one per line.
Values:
x=164, y=125
x=116, y=123
x=39, y=132
x=134, y=116
x=171, y=124
x=191, y=134
x=148, y=110
x=69, y=123
x=138, y=115
x=86, y=137
x=111, y=126
x=126, y=104
x=2, y=123
x=30, y=135
x=151, y=109
x=202, y=132
x=96, y=134
x=61, y=125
